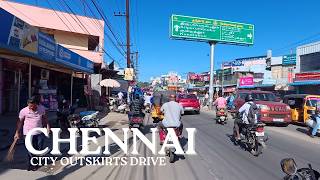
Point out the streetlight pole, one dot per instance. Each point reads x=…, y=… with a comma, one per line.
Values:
x=212, y=45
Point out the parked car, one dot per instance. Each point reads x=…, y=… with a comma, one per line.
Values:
x=271, y=110
x=189, y=102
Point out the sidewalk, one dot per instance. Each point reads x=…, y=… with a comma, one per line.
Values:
x=17, y=168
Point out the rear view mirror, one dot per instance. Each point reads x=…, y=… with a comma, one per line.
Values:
x=288, y=166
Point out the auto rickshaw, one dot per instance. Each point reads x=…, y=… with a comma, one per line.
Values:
x=302, y=106
x=159, y=98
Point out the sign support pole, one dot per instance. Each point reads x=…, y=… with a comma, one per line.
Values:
x=212, y=45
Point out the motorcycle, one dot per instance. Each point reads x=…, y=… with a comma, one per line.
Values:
x=221, y=116
x=63, y=112
x=89, y=119
x=289, y=166
x=136, y=122
x=84, y=119
x=252, y=136
x=170, y=152
x=147, y=108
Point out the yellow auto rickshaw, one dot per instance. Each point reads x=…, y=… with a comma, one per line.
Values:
x=302, y=106
x=159, y=98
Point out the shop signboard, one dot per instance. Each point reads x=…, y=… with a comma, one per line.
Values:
x=203, y=29
x=128, y=74
x=307, y=76
x=23, y=36
x=246, y=81
x=46, y=47
x=5, y=28
x=67, y=57
x=289, y=59
x=19, y=35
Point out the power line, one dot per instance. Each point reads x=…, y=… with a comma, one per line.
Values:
x=297, y=43
x=107, y=22
x=99, y=24
x=84, y=28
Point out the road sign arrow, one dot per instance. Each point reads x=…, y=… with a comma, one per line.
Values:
x=249, y=36
x=176, y=28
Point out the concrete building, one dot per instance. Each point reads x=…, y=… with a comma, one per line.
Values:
x=307, y=74
x=80, y=34
x=46, y=55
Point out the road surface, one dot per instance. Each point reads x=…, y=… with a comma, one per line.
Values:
x=217, y=157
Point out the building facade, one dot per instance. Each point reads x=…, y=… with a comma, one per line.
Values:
x=33, y=62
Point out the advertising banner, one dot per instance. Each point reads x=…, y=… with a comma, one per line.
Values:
x=128, y=74
x=46, y=47
x=23, y=36
x=307, y=76
x=66, y=56
x=246, y=81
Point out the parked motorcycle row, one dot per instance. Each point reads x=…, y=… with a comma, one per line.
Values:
x=67, y=118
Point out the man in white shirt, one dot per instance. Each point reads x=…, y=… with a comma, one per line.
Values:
x=172, y=113
x=172, y=117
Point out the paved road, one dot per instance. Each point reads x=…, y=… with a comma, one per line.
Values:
x=217, y=157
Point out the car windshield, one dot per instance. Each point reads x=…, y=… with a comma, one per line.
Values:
x=314, y=102
x=187, y=96
x=264, y=97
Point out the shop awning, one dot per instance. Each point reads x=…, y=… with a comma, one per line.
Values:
x=302, y=83
x=31, y=42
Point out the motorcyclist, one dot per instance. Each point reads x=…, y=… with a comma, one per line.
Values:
x=62, y=113
x=147, y=100
x=230, y=101
x=136, y=106
x=172, y=115
x=316, y=116
x=244, y=115
x=220, y=102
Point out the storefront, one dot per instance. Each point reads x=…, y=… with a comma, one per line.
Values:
x=307, y=77
x=32, y=63
x=307, y=83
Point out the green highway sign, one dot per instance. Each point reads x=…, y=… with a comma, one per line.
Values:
x=202, y=29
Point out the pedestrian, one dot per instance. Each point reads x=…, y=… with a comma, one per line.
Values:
x=316, y=116
x=206, y=99
x=32, y=116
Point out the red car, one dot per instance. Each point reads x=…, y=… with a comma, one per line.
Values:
x=189, y=102
x=271, y=111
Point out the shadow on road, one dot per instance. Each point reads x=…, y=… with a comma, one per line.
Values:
x=306, y=131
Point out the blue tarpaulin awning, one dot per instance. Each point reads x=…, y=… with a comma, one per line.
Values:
x=302, y=83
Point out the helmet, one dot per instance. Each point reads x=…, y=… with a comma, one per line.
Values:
x=249, y=98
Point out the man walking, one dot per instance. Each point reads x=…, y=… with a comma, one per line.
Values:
x=32, y=116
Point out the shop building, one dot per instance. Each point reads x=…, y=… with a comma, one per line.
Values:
x=307, y=76
x=31, y=62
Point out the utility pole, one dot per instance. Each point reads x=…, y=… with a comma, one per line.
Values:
x=222, y=78
x=128, y=33
x=127, y=14
x=212, y=46
x=137, y=65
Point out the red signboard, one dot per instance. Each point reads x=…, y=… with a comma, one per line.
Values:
x=307, y=76
x=246, y=81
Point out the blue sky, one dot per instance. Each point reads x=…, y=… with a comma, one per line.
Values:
x=279, y=25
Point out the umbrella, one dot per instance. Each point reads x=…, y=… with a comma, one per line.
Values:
x=109, y=83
